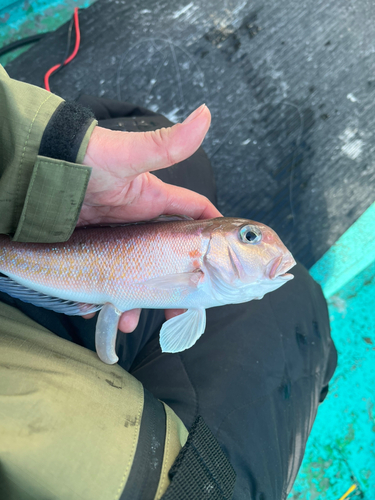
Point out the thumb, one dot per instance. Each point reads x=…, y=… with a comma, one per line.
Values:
x=132, y=153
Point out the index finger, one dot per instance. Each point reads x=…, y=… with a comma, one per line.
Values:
x=184, y=201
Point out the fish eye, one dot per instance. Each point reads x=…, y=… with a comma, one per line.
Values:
x=250, y=234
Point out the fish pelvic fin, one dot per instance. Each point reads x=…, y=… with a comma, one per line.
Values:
x=39, y=299
x=181, y=332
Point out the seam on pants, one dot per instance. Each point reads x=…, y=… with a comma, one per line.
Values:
x=193, y=387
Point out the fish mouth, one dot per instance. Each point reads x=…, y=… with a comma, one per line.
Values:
x=277, y=268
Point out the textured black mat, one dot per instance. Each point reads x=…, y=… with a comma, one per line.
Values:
x=290, y=86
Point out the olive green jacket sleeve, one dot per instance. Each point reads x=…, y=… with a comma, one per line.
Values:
x=43, y=140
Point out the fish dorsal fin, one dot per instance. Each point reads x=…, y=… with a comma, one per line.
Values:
x=39, y=299
x=188, y=281
x=160, y=218
x=181, y=332
x=170, y=218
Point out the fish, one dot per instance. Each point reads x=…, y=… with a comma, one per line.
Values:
x=172, y=262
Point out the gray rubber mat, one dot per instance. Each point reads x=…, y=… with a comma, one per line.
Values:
x=290, y=86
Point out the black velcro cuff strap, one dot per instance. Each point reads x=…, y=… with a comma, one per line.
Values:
x=201, y=469
x=65, y=131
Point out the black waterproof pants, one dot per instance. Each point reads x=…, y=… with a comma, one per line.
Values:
x=258, y=373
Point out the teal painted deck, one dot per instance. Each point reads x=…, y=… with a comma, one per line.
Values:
x=22, y=18
x=341, y=449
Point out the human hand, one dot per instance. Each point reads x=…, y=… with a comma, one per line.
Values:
x=122, y=189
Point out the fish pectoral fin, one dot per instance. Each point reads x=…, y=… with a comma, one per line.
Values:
x=181, y=332
x=106, y=333
x=172, y=281
x=39, y=299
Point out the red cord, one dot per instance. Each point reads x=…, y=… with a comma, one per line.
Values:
x=71, y=57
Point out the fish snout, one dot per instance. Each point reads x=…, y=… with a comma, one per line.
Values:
x=280, y=265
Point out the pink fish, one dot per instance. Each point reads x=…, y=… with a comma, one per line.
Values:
x=172, y=262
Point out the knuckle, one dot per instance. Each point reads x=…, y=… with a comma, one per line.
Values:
x=161, y=138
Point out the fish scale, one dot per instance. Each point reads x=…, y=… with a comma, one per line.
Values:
x=113, y=260
x=169, y=263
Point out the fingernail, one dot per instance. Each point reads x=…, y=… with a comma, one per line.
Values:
x=194, y=114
